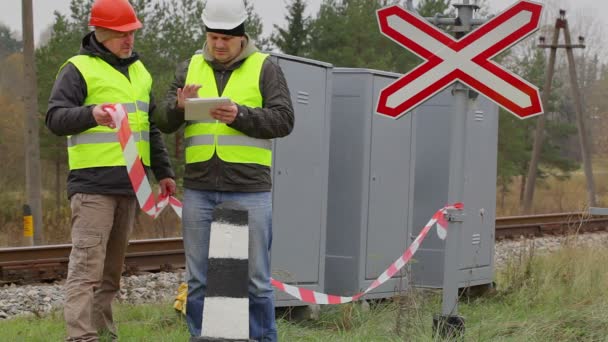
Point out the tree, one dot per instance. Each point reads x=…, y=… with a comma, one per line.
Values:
x=295, y=38
x=11, y=121
x=516, y=136
x=8, y=44
x=345, y=33
x=428, y=8
x=172, y=32
x=63, y=43
x=254, y=28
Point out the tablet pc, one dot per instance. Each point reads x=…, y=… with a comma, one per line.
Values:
x=198, y=109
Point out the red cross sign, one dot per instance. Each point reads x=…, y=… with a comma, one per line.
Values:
x=466, y=60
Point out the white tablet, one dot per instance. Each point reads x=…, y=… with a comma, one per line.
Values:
x=198, y=109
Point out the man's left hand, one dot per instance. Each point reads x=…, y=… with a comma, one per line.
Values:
x=225, y=113
x=167, y=186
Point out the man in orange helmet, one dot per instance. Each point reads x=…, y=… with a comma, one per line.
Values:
x=103, y=202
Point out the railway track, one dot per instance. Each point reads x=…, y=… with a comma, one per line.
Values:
x=49, y=263
x=510, y=227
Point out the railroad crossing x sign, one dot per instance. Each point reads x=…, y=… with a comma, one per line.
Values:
x=467, y=60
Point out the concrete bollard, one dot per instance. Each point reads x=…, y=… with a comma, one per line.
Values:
x=226, y=310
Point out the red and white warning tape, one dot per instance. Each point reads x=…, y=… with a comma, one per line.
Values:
x=135, y=168
x=314, y=297
x=146, y=200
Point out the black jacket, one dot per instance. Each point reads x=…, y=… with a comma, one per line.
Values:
x=66, y=115
x=274, y=120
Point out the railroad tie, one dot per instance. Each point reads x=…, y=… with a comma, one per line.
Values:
x=226, y=310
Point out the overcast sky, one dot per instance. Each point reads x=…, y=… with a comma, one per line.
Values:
x=271, y=11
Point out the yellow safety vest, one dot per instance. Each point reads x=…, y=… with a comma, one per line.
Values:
x=203, y=138
x=99, y=146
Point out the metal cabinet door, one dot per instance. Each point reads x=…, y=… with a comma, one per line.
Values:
x=433, y=122
x=432, y=126
x=389, y=190
x=477, y=237
x=300, y=178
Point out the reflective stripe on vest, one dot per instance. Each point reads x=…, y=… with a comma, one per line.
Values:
x=99, y=146
x=205, y=138
x=229, y=140
x=98, y=138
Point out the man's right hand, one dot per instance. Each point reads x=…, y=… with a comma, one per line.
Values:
x=102, y=117
x=188, y=92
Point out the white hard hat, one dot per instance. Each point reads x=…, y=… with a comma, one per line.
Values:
x=224, y=14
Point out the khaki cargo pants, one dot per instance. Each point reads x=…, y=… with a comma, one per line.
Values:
x=101, y=225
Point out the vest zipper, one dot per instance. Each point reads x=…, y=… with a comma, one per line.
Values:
x=218, y=164
x=221, y=84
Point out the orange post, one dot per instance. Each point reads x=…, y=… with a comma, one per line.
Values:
x=28, y=225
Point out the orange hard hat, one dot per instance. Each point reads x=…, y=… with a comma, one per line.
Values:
x=117, y=15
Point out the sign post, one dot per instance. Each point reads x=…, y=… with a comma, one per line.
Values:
x=463, y=61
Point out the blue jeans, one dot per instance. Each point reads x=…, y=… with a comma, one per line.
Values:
x=196, y=222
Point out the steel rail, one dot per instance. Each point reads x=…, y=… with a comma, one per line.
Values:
x=548, y=224
x=49, y=263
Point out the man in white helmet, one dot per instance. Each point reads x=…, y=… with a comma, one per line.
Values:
x=229, y=158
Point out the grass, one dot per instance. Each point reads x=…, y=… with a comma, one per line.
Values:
x=135, y=323
x=57, y=222
x=553, y=195
x=561, y=296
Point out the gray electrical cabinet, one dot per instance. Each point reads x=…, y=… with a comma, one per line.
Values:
x=387, y=178
x=433, y=122
x=370, y=186
x=300, y=177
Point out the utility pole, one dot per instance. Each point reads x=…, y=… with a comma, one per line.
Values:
x=560, y=24
x=580, y=119
x=32, y=141
x=409, y=6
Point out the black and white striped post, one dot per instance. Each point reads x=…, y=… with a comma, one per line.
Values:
x=226, y=310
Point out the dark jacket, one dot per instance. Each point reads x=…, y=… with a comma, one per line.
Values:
x=66, y=115
x=274, y=120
